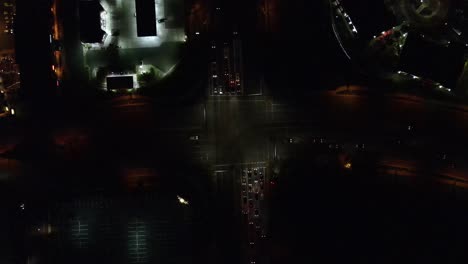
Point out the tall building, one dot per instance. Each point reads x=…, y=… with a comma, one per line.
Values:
x=34, y=52
x=7, y=17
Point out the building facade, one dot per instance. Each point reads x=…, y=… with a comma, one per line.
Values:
x=7, y=18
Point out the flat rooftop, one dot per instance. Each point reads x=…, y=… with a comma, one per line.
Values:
x=145, y=18
x=119, y=82
x=129, y=29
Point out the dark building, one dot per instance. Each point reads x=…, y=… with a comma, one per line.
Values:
x=146, y=18
x=90, y=21
x=7, y=16
x=33, y=51
x=7, y=19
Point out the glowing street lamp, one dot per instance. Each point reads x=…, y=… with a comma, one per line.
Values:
x=348, y=165
x=182, y=200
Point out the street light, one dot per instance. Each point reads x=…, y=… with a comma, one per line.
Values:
x=182, y=200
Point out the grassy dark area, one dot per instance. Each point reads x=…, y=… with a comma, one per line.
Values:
x=415, y=59
x=370, y=17
x=304, y=56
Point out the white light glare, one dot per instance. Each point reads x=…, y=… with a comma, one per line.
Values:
x=182, y=200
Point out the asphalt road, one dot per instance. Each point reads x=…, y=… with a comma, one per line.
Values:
x=239, y=129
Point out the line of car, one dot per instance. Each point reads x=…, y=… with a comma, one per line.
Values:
x=252, y=204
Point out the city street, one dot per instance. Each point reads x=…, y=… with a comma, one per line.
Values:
x=173, y=131
x=234, y=137
x=240, y=131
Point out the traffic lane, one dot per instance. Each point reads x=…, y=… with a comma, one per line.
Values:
x=362, y=115
x=134, y=111
x=411, y=167
x=232, y=125
x=224, y=123
x=388, y=110
x=228, y=122
x=228, y=240
x=248, y=231
x=254, y=146
x=428, y=150
x=256, y=216
x=248, y=130
x=412, y=159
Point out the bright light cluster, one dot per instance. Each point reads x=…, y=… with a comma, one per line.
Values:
x=182, y=200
